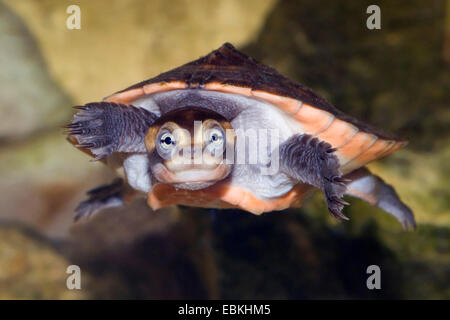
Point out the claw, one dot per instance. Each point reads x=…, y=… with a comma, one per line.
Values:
x=339, y=215
x=407, y=225
x=331, y=150
x=81, y=107
x=340, y=201
x=81, y=211
x=74, y=131
x=99, y=157
x=72, y=125
x=340, y=180
x=85, y=145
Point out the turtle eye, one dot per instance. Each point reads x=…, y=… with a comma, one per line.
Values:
x=215, y=137
x=165, y=142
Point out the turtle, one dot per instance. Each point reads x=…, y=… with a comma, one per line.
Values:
x=227, y=131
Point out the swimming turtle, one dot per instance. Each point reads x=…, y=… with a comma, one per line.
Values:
x=226, y=131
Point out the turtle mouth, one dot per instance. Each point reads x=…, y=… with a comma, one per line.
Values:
x=190, y=174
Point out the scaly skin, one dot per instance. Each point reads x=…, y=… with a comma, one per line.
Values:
x=309, y=160
x=106, y=127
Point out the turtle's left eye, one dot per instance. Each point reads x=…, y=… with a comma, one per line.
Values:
x=215, y=137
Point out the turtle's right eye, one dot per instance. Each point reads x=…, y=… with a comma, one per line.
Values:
x=167, y=140
x=165, y=143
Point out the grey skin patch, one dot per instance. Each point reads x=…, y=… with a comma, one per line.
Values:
x=137, y=171
x=371, y=188
x=147, y=102
x=265, y=122
x=226, y=104
x=311, y=161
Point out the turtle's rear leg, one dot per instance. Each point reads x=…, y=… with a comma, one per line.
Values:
x=102, y=197
x=371, y=188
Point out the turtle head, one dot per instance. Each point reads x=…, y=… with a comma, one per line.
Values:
x=190, y=148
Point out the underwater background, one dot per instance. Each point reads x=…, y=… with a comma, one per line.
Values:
x=396, y=78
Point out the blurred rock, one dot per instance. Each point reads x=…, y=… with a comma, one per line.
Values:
x=122, y=254
x=30, y=100
x=31, y=267
x=121, y=43
x=43, y=179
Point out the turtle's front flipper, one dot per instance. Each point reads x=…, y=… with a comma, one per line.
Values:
x=310, y=160
x=105, y=196
x=106, y=127
x=374, y=190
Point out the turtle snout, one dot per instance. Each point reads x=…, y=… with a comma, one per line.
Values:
x=193, y=157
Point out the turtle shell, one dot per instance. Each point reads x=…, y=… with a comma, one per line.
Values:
x=227, y=70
